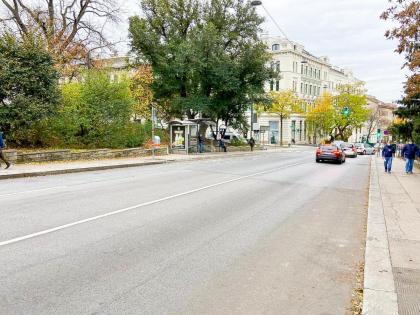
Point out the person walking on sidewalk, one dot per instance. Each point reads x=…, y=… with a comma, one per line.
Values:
x=409, y=153
x=200, y=143
x=252, y=143
x=388, y=153
x=2, y=145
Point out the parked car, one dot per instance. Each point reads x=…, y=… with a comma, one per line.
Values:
x=230, y=138
x=364, y=148
x=349, y=149
x=330, y=152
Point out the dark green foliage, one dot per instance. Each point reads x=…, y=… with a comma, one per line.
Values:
x=28, y=88
x=409, y=127
x=96, y=113
x=206, y=56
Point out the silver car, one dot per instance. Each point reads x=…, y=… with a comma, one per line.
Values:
x=349, y=149
x=364, y=148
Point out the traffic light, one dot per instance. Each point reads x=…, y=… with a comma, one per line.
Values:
x=346, y=111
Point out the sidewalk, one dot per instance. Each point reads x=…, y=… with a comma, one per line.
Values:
x=53, y=168
x=392, y=266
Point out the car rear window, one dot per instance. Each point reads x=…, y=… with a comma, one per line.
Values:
x=328, y=147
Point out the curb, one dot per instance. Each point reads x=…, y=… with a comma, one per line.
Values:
x=379, y=295
x=80, y=169
x=116, y=166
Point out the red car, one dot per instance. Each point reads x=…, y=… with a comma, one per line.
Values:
x=330, y=153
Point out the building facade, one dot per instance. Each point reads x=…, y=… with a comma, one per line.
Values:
x=305, y=74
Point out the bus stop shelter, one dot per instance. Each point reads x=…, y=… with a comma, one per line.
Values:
x=183, y=136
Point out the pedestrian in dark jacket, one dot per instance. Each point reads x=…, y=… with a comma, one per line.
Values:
x=200, y=140
x=409, y=153
x=252, y=143
x=2, y=145
x=388, y=153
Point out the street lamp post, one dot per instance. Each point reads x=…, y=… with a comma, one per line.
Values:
x=256, y=3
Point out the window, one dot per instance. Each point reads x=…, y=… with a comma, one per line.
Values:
x=273, y=132
x=272, y=65
x=301, y=88
x=319, y=90
x=275, y=47
x=310, y=72
x=306, y=88
x=293, y=129
x=277, y=85
x=271, y=85
x=306, y=70
x=300, y=130
x=310, y=90
x=278, y=66
x=301, y=68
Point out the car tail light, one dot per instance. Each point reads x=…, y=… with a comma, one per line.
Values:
x=336, y=152
x=354, y=149
x=318, y=151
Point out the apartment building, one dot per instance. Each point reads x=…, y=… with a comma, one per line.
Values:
x=308, y=76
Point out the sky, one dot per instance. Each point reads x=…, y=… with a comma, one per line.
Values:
x=349, y=32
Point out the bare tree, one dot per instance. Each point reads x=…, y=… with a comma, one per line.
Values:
x=71, y=29
x=373, y=121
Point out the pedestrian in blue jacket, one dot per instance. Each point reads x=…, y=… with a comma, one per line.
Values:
x=388, y=153
x=1, y=151
x=409, y=153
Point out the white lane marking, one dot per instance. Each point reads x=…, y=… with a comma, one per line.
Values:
x=33, y=190
x=144, y=204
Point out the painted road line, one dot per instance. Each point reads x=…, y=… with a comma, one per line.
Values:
x=144, y=204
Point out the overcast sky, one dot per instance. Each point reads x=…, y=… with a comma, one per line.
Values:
x=348, y=31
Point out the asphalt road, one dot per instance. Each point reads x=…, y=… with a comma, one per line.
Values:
x=272, y=233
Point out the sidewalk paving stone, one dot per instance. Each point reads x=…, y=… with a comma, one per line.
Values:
x=400, y=202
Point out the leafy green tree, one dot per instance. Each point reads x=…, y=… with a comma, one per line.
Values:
x=283, y=104
x=351, y=96
x=95, y=112
x=28, y=87
x=206, y=56
x=140, y=88
x=406, y=30
x=321, y=116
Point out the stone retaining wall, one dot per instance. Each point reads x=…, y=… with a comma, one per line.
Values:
x=68, y=155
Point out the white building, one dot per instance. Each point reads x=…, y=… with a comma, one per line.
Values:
x=307, y=75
